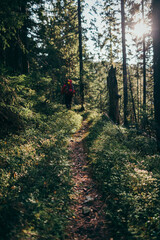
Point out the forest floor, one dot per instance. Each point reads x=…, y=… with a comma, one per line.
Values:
x=88, y=220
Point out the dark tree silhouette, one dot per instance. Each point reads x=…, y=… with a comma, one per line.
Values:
x=156, y=48
x=113, y=95
x=80, y=56
x=124, y=63
x=144, y=62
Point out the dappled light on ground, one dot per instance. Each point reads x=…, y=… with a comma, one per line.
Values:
x=88, y=220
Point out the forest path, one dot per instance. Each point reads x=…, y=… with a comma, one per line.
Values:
x=88, y=221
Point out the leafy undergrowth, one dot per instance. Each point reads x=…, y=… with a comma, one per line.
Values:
x=35, y=182
x=126, y=167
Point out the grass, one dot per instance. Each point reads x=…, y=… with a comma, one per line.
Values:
x=35, y=178
x=126, y=167
x=35, y=181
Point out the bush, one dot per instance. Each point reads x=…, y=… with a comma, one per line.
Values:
x=35, y=182
x=127, y=178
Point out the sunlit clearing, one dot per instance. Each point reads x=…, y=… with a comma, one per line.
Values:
x=140, y=29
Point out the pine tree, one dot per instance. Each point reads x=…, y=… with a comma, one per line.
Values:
x=124, y=63
x=156, y=48
x=80, y=56
x=16, y=25
x=139, y=12
x=110, y=37
x=58, y=31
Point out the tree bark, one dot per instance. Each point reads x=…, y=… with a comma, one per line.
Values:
x=113, y=95
x=144, y=63
x=80, y=56
x=156, y=49
x=138, y=98
x=133, y=102
x=124, y=64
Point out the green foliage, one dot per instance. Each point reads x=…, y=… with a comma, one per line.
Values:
x=35, y=182
x=10, y=119
x=59, y=48
x=96, y=85
x=127, y=170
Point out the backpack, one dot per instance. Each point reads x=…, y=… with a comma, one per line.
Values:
x=69, y=88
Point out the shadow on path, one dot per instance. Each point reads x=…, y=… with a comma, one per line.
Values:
x=88, y=221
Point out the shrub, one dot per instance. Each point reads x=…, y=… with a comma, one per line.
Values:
x=35, y=182
x=127, y=178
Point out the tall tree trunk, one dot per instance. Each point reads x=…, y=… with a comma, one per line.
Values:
x=138, y=105
x=156, y=49
x=133, y=102
x=80, y=56
x=24, y=40
x=144, y=63
x=124, y=63
x=113, y=95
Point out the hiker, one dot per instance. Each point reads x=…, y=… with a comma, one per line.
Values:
x=68, y=91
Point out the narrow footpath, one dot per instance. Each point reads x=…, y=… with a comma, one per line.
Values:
x=88, y=221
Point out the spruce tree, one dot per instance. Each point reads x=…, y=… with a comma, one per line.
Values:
x=156, y=48
x=125, y=93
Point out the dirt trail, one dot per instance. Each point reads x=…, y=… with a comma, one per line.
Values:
x=88, y=221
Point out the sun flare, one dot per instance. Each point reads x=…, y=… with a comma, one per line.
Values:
x=140, y=29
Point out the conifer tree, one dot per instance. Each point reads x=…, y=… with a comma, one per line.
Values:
x=59, y=40
x=80, y=55
x=156, y=48
x=139, y=13
x=144, y=62
x=16, y=24
x=110, y=37
x=124, y=63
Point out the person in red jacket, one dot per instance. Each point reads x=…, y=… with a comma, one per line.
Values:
x=68, y=91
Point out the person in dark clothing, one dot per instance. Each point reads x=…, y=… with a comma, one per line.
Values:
x=68, y=91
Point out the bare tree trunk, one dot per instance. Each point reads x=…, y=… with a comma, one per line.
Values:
x=138, y=105
x=144, y=63
x=113, y=95
x=80, y=56
x=156, y=49
x=133, y=103
x=124, y=63
x=144, y=74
